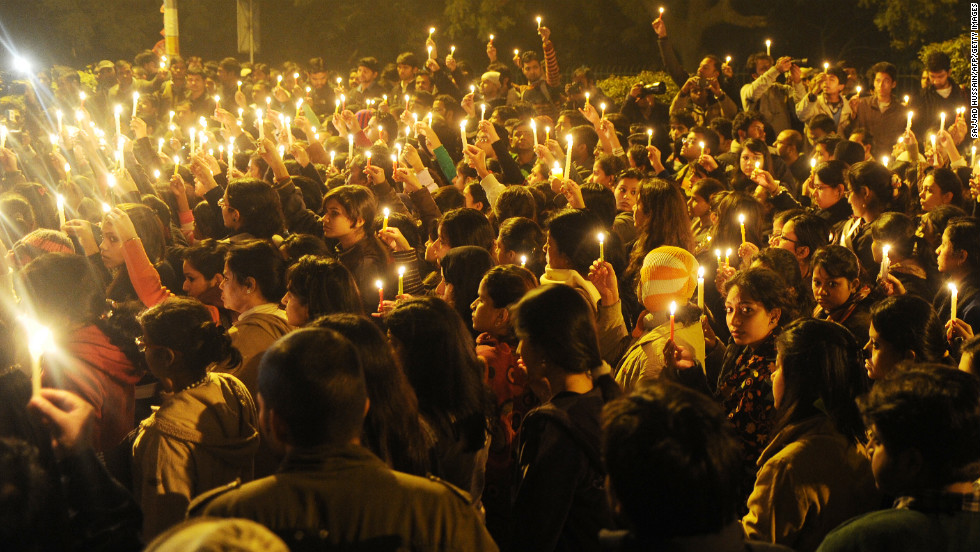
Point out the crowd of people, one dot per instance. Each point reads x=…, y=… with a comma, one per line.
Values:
x=421, y=307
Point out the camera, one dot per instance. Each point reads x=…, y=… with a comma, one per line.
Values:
x=801, y=62
x=653, y=88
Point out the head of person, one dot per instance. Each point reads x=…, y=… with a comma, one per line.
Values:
x=407, y=65
x=861, y=136
x=229, y=71
x=531, y=66
x=835, y=81
x=933, y=223
x=869, y=187
x=924, y=423
x=436, y=351
x=729, y=206
x=148, y=228
x=253, y=275
x=748, y=124
x=180, y=341
x=311, y=390
x=203, y=265
x=699, y=140
x=460, y=227
x=660, y=214
x=959, y=250
x=501, y=287
x=938, y=66
x=940, y=187
x=836, y=276
x=668, y=275
x=802, y=235
x=317, y=286
x=754, y=154
x=251, y=206
x=572, y=242
x=897, y=231
x=196, y=82
x=60, y=291
x=825, y=145
x=557, y=332
x=699, y=204
x=789, y=145
x=520, y=237
x=680, y=124
x=36, y=243
x=758, y=302
x=885, y=79
x=606, y=169
x=851, y=152
x=349, y=210
x=367, y=70
x=903, y=328
x=673, y=462
x=818, y=364
x=462, y=270
x=475, y=197
x=759, y=63
x=829, y=185
x=515, y=201
x=490, y=87
x=627, y=189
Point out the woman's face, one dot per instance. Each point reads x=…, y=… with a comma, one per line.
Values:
x=233, y=294
x=484, y=313
x=626, y=191
x=502, y=255
x=824, y=195
x=640, y=216
x=297, y=313
x=858, y=201
x=111, y=247
x=599, y=176
x=436, y=250
x=195, y=283
x=748, y=320
x=881, y=357
x=829, y=292
x=553, y=255
x=748, y=159
x=946, y=258
x=336, y=221
x=229, y=215
x=931, y=196
x=697, y=206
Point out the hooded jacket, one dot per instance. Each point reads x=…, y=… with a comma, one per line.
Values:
x=96, y=370
x=200, y=438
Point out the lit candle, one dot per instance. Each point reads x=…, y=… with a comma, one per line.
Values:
x=826, y=67
x=728, y=60
x=602, y=106
x=401, y=281
x=333, y=155
x=728, y=254
x=813, y=164
x=523, y=260
x=259, y=123
x=61, y=210
x=556, y=170
x=239, y=86
x=452, y=51
x=336, y=106
x=384, y=223
x=432, y=30
x=429, y=48
x=105, y=207
x=768, y=44
x=602, y=247
x=538, y=18
x=906, y=102
x=534, y=132
x=278, y=80
x=700, y=287
x=193, y=137
x=701, y=145
x=741, y=225
x=885, y=262
x=429, y=117
x=367, y=154
x=586, y=98
x=472, y=89
x=942, y=121
x=649, y=137
x=857, y=91
x=176, y=165
x=673, y=309
x=718, y=256
x=136, y=101
x=908, y=126
x=381, y=296
x=483, y=111
x=884, y=160
x=932, y=139
x=547, y=133
x=160, y=145
x=81, y=99
x=38, y=341
x=491, y=39
x=952, y=300
x=568, y=156
x=117, y=110
x=661, y=11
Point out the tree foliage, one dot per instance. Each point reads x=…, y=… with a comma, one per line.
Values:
x=912, y=23
x=958, y=51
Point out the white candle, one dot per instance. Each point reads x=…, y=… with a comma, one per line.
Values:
x=61, y=211
x=952, y=300
x=333, y=155
x=700, y=287
x=556, y=170
x=401, y=281
x=885, y=262
x=602, y=245
x=768, y=44
x=942, y=121
x=534, y=132
x=539, y=21
x=568, y=156
x=483, y=111
x=649, y=137
x=117, y=111
x=136, y=101
x=718, y=256
x=908, y=126
x=602, y=106
x=259, y=123
x=38, y=341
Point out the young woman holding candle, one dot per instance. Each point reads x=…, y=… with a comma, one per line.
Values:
x=520, y=241
x=317, y=286
x=910, y=260
x=561, y=501
x=940, y=187
x=958, y=258
x=869, y=193
x=496, y=345
x=839, y=292
x=250, y=209
x=814, y=474
x=462, y=270
x=97, y=358
x=903, y=328
x=828, y=194
x=205, y=433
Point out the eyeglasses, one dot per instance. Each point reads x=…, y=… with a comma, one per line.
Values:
x=142, y=346
x=782, y=237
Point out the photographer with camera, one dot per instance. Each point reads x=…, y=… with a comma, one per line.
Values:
x=769, y=97
x=825, y=96
x=702, y=95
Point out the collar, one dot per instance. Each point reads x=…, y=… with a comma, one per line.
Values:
x=265, y=308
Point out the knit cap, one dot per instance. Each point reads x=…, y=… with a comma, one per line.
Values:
x=668, y=274
x=363, y=118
